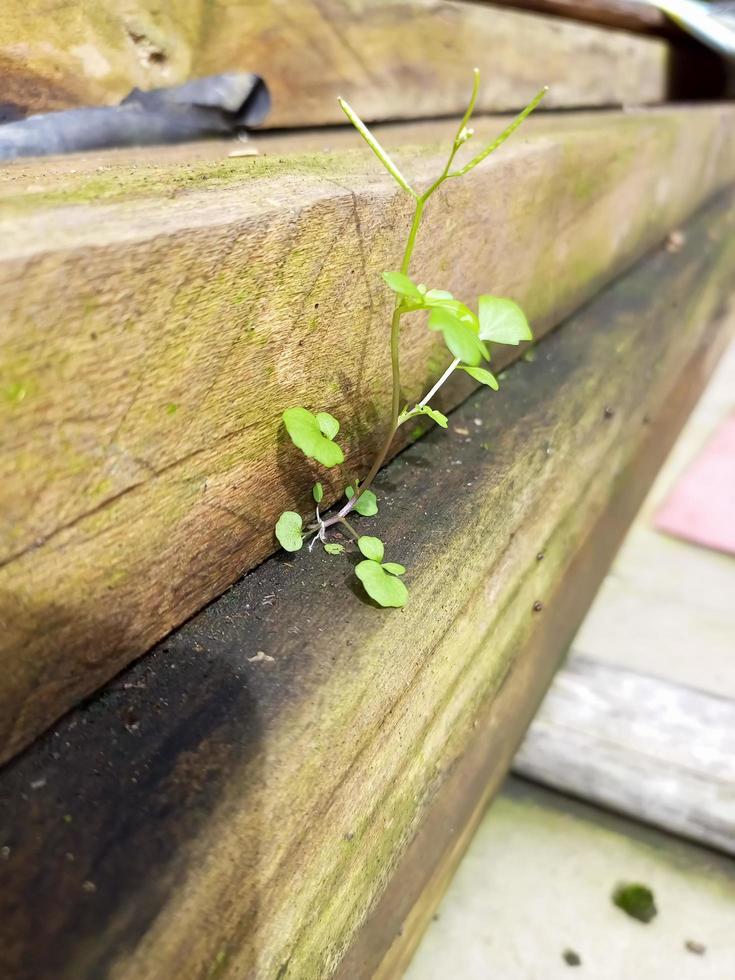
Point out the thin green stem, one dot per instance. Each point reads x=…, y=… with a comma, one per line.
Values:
x=349, y=527
x=375, y=146
x=508, y=131
x=400, y=308
x=395, y=336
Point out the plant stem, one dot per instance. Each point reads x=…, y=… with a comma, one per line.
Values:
x=440, y=382
x=349, y=527
x=405, y=416
x=400, y=307
x=395, y=337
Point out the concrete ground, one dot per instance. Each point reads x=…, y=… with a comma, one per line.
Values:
x=537, y=880
x=538, y=877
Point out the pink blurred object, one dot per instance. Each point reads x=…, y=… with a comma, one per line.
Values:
x=701, y=507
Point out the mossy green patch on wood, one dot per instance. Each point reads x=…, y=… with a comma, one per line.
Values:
x=163, y=182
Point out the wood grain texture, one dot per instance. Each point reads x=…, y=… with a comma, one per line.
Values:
x=212, y=813
x=657, y=751
x=154, y=335
x=399, y=58
x=629, y=15
x=388, y=938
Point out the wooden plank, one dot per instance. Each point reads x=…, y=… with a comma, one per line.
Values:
x=657, y=751
x=398, y=58
x=628, y=15
x=154, y=335
x=386, y=942
x=233, y=815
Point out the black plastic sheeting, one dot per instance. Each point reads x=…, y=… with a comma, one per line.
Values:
x=219, y=105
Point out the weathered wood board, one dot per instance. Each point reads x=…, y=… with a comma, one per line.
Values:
x=628, y=15
x=401, y=59
x=214, y=812
x=658, y=751
x=155, y=330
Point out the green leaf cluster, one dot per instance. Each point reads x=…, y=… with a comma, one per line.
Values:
x=466, y=334
x=314, y=434
x=379, y=579
x=288, y=530
x=498, y=320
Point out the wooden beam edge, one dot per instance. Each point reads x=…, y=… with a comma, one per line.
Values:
x=224, y=507
x=404, y=911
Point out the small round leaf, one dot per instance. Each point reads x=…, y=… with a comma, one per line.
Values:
x=328, y=424
x=367, y=504
x=333, y=548
x=288, y=530
x=371, y=547
x=318, y=492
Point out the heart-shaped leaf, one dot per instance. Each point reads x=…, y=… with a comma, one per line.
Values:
x=288, y=530
x=502, y=321
x=306, y=434
x=384, y=588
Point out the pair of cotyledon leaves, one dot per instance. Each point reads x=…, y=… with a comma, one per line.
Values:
x=379, y=578
x=466, y=334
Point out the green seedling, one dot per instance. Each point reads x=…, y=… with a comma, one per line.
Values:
x=467, y=334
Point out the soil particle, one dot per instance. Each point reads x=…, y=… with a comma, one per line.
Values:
x=538, y=606
x=699, y=949
x=259, y=657
x=571, y=958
